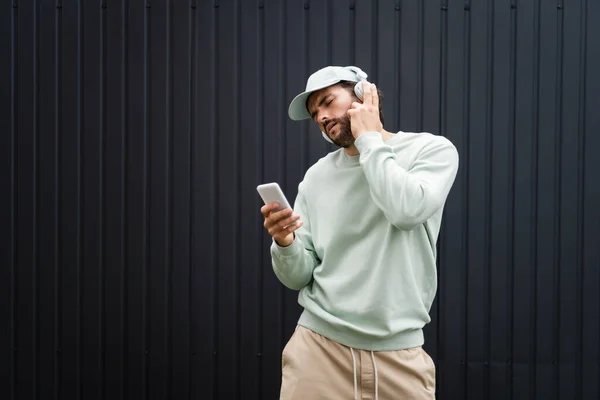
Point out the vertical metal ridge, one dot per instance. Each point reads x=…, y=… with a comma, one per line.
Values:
x=511, y=231
x=169, y=200
x=352, y=43
x=124, y=199
x=489, y=131
x=14, y=125
x=374, y=39
x=14, y=87
x=598, y=305
x=146, y=198
x=260, y=121
x=58, y=205
x=36, y=200
x=306, y=46
x=397, y=62
x=192, y=174
x=443, y=71
x=535, y=193
x=102, y=199
x=420, y=64
x=557, y=251
x=283, y=144
x=443, y=129
x=581, y=157
x=237, y=89
x=80, y=215
x=215, y=197
x=466, y=99
x=329, y=29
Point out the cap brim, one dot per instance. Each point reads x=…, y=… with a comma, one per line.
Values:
x=297, y=110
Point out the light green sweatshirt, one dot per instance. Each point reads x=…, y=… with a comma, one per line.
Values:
x=365, y=259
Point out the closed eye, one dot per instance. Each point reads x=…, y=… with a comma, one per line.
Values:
x=323, y=100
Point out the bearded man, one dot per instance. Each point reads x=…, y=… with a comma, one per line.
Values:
x=360, y=247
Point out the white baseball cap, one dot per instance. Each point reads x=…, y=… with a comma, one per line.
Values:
x=319, y=80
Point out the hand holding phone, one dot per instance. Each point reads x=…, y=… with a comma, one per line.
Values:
x=280, y=221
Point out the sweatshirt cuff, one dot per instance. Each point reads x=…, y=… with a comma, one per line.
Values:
x=288, y=251
x=367, y=141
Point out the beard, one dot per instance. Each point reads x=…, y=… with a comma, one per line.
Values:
x=344, y=138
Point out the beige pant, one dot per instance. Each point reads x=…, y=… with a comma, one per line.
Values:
x=315, y=368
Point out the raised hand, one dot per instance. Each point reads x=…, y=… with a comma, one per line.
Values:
x=281, y=224
x=364, y=117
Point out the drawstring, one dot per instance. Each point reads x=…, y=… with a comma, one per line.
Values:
x=354, y=365
x=376, y=378
x=376, y=383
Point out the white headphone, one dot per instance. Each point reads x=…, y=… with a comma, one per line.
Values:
x=362, y=76
x=358, y=90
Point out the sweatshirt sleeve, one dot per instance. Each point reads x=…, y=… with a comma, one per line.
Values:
x=408, y=197
x=293, y=265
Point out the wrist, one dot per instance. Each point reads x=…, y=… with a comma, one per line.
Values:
x=286, y=242
x=368, y=140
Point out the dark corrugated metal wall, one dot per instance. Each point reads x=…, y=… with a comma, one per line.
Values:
x=133, y=134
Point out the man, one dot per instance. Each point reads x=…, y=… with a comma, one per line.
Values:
x=360, y=246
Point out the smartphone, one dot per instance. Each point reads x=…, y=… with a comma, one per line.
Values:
x=271, y=192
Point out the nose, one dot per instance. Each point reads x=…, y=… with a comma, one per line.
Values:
x=322, y=117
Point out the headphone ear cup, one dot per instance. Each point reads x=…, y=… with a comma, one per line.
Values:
x=326, y=137
x=358, y=90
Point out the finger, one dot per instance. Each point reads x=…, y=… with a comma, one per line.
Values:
x=366, y=93
x=273, y=218
x=294, y=228
x=279, y=215
x=267, y=208
x=374, y=96
x=276, y=227
x=280, y=233
x=288, y=221
x=356, y=104
x=287, y=231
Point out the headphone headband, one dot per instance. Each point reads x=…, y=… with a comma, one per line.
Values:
x=360, y=74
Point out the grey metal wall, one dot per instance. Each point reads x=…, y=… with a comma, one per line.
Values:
x=133, y=262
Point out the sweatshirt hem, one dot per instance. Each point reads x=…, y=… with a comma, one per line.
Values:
x=400, y=341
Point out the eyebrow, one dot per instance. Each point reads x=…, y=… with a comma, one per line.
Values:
x=312, y=114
